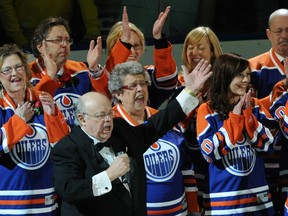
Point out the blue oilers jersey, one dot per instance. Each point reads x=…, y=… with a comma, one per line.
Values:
x=164, y=163
x=236, y=182
x=26, y=186
x=66, y=96
x=266, y=71
x=171, y=186
x=279, y=110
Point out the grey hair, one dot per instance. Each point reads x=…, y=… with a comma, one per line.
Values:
x=79, y=108
x=117, y=77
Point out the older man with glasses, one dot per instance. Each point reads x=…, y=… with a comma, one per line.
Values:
x=267, y=69
x=87, y=171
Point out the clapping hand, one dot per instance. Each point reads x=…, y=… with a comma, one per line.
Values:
x=50, y=64
x=244, y=103
x=159, y=23
x=48, y=103
x=195, y=80
x=126, y=35
x=94, y=53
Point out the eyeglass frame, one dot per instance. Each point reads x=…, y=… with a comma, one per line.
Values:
x=279, y=31
x=133, y=86
x=102, y=115
x=136, y=46
x=18, y=67
x=61, y=41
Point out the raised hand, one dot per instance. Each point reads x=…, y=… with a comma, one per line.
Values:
x=126, y=35
x=159, y=23
x=195, y=80
x=94, y=53
x=49, y=62
x=48, y=103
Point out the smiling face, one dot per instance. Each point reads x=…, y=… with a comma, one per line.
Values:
x=239, y=85
x=134, y=100
x=137, y=47
x=14, y=82
x=197, y=51
x=58, y=52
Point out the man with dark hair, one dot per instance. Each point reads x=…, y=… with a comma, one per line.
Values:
x=69, y=79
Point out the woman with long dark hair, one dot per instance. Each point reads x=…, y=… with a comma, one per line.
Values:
x=232, y=130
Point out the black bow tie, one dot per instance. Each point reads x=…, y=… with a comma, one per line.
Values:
x=100, y=145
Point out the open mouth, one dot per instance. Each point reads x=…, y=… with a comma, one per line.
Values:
x=107, y=129
x=139, y=99
x=16, y=80
x=196, y=60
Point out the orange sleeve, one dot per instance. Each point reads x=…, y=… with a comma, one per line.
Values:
x=251, y=122
x=47, y=84
x=56, y=126
x=234, y=126
x=266, y=102
x=100, y=84
x=15, y=129
x=165, y=64
x=118, y=54
x=278, y=90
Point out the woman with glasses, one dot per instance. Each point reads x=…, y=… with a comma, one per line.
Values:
x=234, y=130
x=30, y=124
x=126, y=42
x=170, y=182
x=70, y=79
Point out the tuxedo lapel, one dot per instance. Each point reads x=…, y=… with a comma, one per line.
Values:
x=87, y=145
x=98, y=162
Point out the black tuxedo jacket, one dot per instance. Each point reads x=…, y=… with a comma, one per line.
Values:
x=76, y=161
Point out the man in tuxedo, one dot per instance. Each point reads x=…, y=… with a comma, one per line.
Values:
x=88, y=177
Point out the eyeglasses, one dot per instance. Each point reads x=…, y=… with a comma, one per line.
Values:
x=8, y=70
x=102, y=115
x=279, y=31
x=137, y=46
x=61, y=41
x=133, y=85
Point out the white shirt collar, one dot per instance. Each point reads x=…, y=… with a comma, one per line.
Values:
x=279, y=57
x=95, y=141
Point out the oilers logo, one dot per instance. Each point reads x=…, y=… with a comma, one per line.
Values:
x=240, y=161
x=33, y=150
x=280, y=112
x=161, y=161
x=65, y=102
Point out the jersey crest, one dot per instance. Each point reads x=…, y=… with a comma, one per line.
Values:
x=65, y=102
x=161, y=161
x=240, y=161
x=33, y=150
